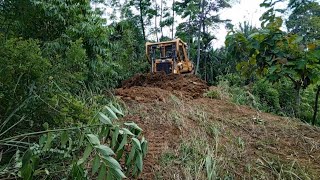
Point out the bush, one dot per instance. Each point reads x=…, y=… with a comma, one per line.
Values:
x=238, y=95
x=232, y=79
x=260, y=95
x=267, y=96
x=23, y=73
x=278, y=98
x=213, y=94
x=287, y=104
x=69, y=69
x=307, y=104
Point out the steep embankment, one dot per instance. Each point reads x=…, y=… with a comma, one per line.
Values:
x=184, y=128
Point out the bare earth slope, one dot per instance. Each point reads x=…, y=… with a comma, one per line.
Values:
x=183, y=128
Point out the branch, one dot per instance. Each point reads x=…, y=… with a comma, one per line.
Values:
x=291, y=78
x=50, y=130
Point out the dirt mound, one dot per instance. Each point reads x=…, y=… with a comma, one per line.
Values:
x=188, y=86
x=184, y=129
x=143, y=94
x=182, y=133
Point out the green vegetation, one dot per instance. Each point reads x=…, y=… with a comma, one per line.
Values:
x=58, y=58
x=264, y=65
x=58, y=151
x=60, y=62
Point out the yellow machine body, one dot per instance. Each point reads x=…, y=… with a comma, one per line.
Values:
x=169, y=56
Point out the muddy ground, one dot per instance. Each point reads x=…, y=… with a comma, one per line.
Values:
x=183, y=128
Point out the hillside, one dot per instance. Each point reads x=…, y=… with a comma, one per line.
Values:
x=184, y=128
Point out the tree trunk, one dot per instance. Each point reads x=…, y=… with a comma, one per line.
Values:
x=204, y=46
x=206, y=76
x=161, y=9
x=198, y=51
x=155, y=22
x=190, y=38
x=298, y=100
x=199, y=34
x=173, y=19
x=141, y=21
x=315, y=111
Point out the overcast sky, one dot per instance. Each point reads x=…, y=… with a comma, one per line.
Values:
x=244, y=10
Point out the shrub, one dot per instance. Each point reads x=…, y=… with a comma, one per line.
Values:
x=23, y=73
x=232, y=79
x=68, y=152
x=213, y=94
x=267, y=96
x=287, y=104
x=69, y=69
x=307, y=103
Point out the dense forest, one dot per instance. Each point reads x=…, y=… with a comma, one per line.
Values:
x=61, y=61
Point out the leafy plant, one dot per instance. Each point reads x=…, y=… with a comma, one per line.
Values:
x=211, y=168
x=101, y=144
x=267, y=96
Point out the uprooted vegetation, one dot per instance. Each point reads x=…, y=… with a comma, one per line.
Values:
x=195, y=137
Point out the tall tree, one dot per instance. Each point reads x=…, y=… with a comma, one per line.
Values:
x=305, y=21
x=202, y=15
x=173, y=9
x=145, y=10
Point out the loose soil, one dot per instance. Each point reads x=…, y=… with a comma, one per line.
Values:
x=158, y=85
x=172, y=110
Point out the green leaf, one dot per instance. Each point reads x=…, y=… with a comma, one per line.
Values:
x=139, y=162
x=105, y=150
x=77, y=172
x=102, y=172
x=131, y=156
x=119, y=173
x=81, y=139
x=209, y=167
x=114, y=109
x=86, y=154
x=272, y=69
x=27, y=169
x=104, y=119
x=113, y=115
x=135, y=170
x=45, y=125
x=133, y=125
x=115, y=135
x=298, y=39
x=93, y=139
x=110, y=175
x=144, y=147
x=123, y=142
x=70, y=144
x=64, y=138
x=95, y=165
x=104, y=131
x=136, y=142
x=127, y=131
x=111, y=162
x=119, y=154
x=48, y=143
x=26, y=157
x=26, y=172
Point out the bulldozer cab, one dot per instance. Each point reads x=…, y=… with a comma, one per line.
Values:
x=169, y=56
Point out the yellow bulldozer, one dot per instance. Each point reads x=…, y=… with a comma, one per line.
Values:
x=169, y=56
